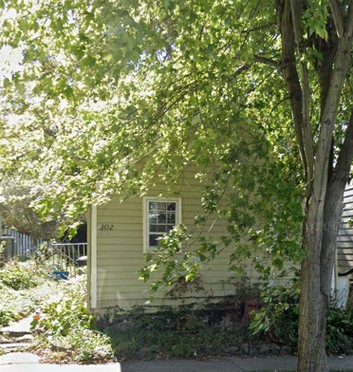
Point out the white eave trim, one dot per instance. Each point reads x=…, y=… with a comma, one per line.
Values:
x=94, y=299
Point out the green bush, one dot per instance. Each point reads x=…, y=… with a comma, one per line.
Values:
x=185, y=331
x=6, y=312
x=279, y=319
x=16, y=304
x=18, y=275
x=67, y=329
x=339, y=338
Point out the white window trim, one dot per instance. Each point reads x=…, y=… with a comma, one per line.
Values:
x=146, y=200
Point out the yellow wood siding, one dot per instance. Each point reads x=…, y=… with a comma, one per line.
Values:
x=120, y=249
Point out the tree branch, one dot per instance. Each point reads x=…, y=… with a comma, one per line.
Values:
x=258, y=28
x=296, y=9
x=345, y=157
x=329, y=114
x=337, y=17
x=267, y=61
x=291, y=77
x=349, y=28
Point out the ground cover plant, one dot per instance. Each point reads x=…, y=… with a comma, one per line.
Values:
x=19, y=275
x=66, y=331
x=279, y=318
x=219, y=329
x=187, y=331
x=22, y=288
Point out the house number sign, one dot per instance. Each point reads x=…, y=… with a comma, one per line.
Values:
x=106, y=227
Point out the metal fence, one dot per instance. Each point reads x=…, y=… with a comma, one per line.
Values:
x=64, y=256
x=22, y=245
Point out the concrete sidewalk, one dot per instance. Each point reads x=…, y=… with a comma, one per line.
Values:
x=19, y=362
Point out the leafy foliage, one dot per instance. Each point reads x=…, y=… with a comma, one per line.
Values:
x=30, y=290
x=339, y=331
x=280, y=314
x=7, y=312
x=67, y=328
x=212, y=83
x=279, y=317
x=188, y=331
x=17, y=275
x=16, y=197
x=167, y=79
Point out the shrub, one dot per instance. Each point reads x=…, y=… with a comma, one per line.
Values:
x=6, y=312
x=339, y=338
x=18, y=275
x=67, y=329
x=279, y=319
x=15, y=304
x=185, y=331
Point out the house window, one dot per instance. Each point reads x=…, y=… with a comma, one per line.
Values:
x=160, y=216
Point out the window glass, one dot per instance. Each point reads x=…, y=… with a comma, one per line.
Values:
x=162, y=217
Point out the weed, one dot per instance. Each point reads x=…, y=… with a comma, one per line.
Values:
x=279, y=317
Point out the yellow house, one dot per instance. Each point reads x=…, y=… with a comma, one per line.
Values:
x=120, y=233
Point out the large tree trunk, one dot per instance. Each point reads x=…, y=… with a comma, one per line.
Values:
x=312, y=319
x=326, y=177
x=321, y=228
x=320, y=234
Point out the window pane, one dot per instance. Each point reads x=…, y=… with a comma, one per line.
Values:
x=153, y=218
x=171, y=206
x=153, y=240
x=154, y=228
x=162, y=218
x=153, y=206
x=171, y=218
x=162, y=206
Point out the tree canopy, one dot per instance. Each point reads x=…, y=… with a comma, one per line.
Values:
x=104, y=84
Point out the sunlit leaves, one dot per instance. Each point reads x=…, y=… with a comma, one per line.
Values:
x=315, y=18
x=112, y=93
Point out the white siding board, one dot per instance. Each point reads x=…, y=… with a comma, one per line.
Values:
x=345, y=235
x=344, y=244
x=348, y=199
x=347, y=213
